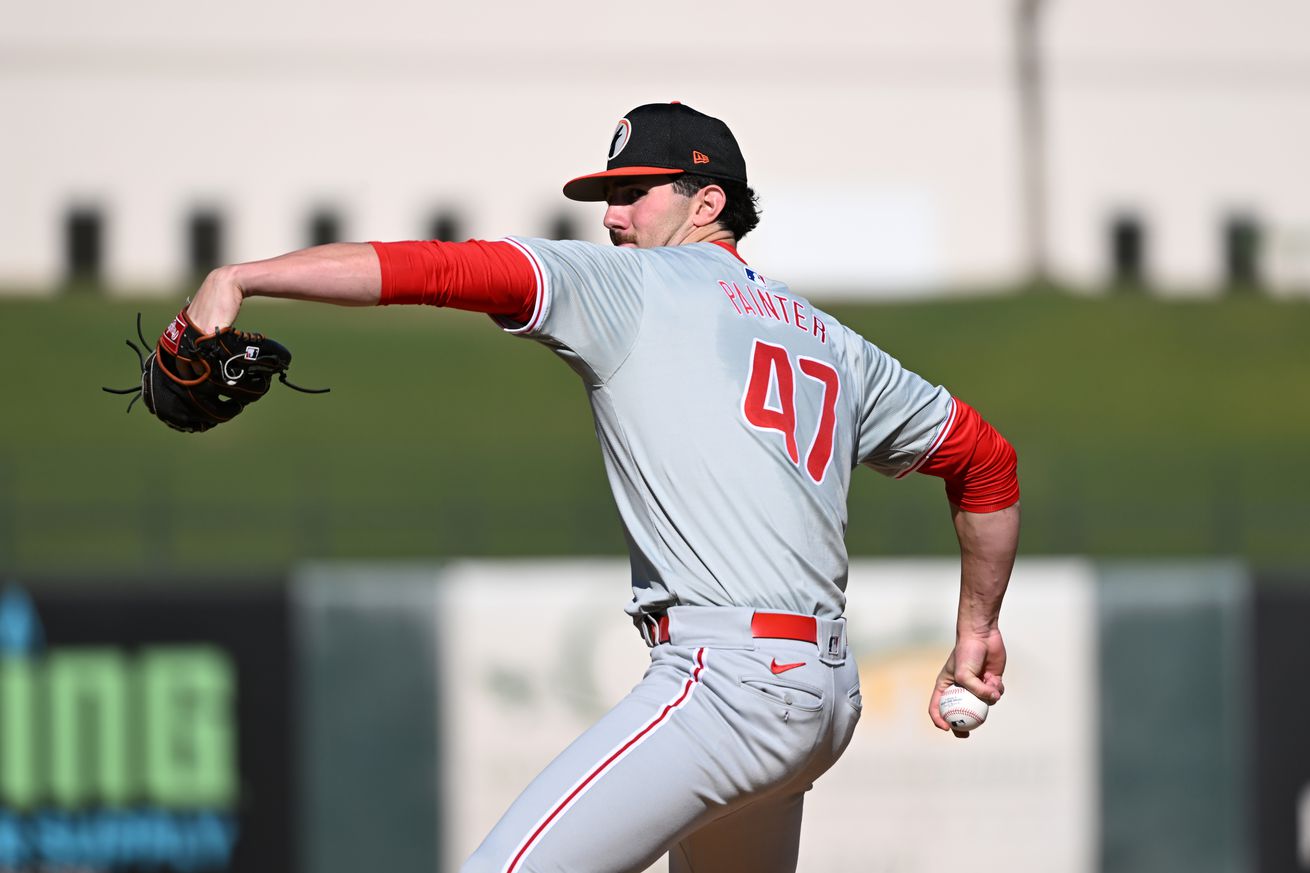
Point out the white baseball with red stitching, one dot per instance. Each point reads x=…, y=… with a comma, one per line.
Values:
x=961, y=709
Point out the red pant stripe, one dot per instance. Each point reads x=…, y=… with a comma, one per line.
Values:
x=626, y=746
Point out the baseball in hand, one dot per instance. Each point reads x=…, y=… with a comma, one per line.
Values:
x=961, y=709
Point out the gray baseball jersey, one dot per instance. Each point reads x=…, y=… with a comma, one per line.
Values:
x=730, y=413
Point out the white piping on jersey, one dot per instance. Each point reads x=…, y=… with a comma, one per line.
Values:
x=936, y=444
x=618, y=753
x=542, y=306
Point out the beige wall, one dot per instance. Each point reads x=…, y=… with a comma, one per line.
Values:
x=1031, y=789
x=881, y=136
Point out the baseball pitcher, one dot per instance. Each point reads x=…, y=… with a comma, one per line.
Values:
x=731, y=414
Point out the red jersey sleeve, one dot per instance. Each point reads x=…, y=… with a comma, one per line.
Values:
x=491, y=277
x=979, y=465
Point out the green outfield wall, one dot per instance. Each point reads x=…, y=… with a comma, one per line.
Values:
x=1143, y=428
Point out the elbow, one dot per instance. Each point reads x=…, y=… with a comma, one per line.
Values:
x=990, y=482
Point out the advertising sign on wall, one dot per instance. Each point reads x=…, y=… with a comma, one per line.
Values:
x=534, y=652
x=366, y=656
x=143, y=730
x=1282, y=711
x=1024, y=783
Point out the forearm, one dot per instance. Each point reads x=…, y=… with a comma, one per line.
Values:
x=347, y=274
x=492, y=277
x=988, y=542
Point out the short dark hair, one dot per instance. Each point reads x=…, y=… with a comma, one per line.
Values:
x=740, y=215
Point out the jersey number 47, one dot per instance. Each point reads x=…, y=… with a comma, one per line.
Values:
x=771, y=365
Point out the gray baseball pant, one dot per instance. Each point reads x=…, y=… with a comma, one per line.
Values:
x=708, y=759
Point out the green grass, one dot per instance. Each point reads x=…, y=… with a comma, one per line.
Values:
x=1143, y=428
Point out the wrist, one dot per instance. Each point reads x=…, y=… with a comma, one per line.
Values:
x=217, y=302
x=976, y=627
x=234, y=280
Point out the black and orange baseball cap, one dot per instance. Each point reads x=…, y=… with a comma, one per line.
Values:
x=665, y=139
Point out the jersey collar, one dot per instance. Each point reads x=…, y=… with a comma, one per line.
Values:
x=729, y=248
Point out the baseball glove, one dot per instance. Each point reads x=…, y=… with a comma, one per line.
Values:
x=193, y=381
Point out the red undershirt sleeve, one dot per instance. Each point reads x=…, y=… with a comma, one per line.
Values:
x=491, y=277
x=978, y=464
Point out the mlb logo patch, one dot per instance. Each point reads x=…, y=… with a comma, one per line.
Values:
x=252, y=352
x=757, y=278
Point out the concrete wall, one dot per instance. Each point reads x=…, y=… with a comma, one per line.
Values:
x=882, y=136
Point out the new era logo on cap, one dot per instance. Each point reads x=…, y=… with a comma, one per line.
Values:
x=664, y=139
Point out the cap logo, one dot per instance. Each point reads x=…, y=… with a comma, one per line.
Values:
x=699, y=157
x=622, y=134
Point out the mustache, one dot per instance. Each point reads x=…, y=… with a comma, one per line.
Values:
x=619, y=239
